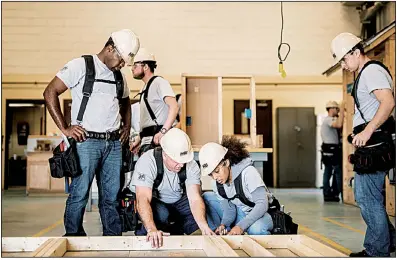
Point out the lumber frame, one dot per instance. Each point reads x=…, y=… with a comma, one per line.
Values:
x=213, y=246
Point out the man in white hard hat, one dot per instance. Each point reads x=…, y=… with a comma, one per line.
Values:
x=373, y=126
x=100, y=123
x=167, y=183
x=331, y=151
x=158, y=105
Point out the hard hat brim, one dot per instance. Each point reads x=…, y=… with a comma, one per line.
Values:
x=188, y=158
x=208, y=170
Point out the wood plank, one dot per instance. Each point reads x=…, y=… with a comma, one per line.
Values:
x=225, y=249
x=210, y=248
x=21, y=244
x=274, y=241
x=253, y=112
x=302, y=250
x=99, y=254
x=183, y=108
x=235, y=242
x=220, y=111
x=241, y=253
x=217, y=247
x=319, y=247
x=282, y=252
x=39, y=252
x=58, y=249
x=17, y=254
x=201, y=107
x=253, y=249
x=132, y=243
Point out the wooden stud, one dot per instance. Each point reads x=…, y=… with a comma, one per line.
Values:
x=319, y=247
x=39, y=252
x=275, y=241
x=302, y=250
x=253, y=112
x=253, y=249
x=220, y=110
x=216, y=246
x=183, y=108
x=57, y=249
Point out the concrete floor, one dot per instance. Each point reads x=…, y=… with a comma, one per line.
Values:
x=335, y=224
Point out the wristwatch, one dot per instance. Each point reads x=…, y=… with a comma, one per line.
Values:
x=163, y=130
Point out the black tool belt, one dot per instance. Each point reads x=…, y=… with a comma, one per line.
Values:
x=331, y=154
x=150, y=131
x=112, y=136
x=379, y=153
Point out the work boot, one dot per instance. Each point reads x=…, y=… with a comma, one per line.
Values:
x=331, y=198
x=360, y=254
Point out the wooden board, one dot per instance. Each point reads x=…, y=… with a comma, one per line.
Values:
x=173, y=246
x=202, y=97
x=203, y=106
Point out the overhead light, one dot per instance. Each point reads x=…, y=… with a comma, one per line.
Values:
x=21, y=105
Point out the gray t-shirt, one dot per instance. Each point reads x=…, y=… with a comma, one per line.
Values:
x=373, y=77
x=251, y=180
x=329, y=134
x=159, y=89
x=169, y=189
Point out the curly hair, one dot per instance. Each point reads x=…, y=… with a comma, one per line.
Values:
x=236, y=149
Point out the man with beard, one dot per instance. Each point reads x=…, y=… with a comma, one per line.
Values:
x=100, y=102
x=158, y=106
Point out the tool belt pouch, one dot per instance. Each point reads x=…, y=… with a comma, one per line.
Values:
x=331, y=154
x=282, y=223
x=379, y=157
x=379, y=154
x=66, y=163
x=128, y=215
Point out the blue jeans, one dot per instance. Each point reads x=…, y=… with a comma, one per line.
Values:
x=369, y=195
x=336, y=188
x=180, y=212
x=103, y=159
x=262, y=226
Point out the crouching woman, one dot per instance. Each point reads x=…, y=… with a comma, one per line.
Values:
x=240, y=199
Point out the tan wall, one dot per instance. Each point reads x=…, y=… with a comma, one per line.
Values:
x=195, y=37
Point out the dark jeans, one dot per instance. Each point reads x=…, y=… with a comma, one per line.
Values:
x=179, y=211
x=336, y=188
x=102, y=158
x=369, y=194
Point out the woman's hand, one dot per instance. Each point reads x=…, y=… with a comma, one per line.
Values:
x=236, y=230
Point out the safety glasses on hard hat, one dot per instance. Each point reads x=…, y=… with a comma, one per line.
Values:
x=118, y=54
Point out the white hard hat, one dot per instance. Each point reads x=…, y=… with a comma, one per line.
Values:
x=331, y=104
x=210, y=155
x=144, y=55
x=343, y=44
x=176, y=144
x=127, y=44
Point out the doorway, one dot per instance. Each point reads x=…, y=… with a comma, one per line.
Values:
x=264, y=127
x=23, y=118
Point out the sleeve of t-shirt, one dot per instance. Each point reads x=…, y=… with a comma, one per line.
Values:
x=164, y=88
x=252, y=179
x=375, y=78
x=193, y=175
x=126, y=92
x=72, y=72
x=145, y=171
x=329, y=121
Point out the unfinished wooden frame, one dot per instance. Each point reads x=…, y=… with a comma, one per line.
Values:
x=173, y=246
x=203, y=93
